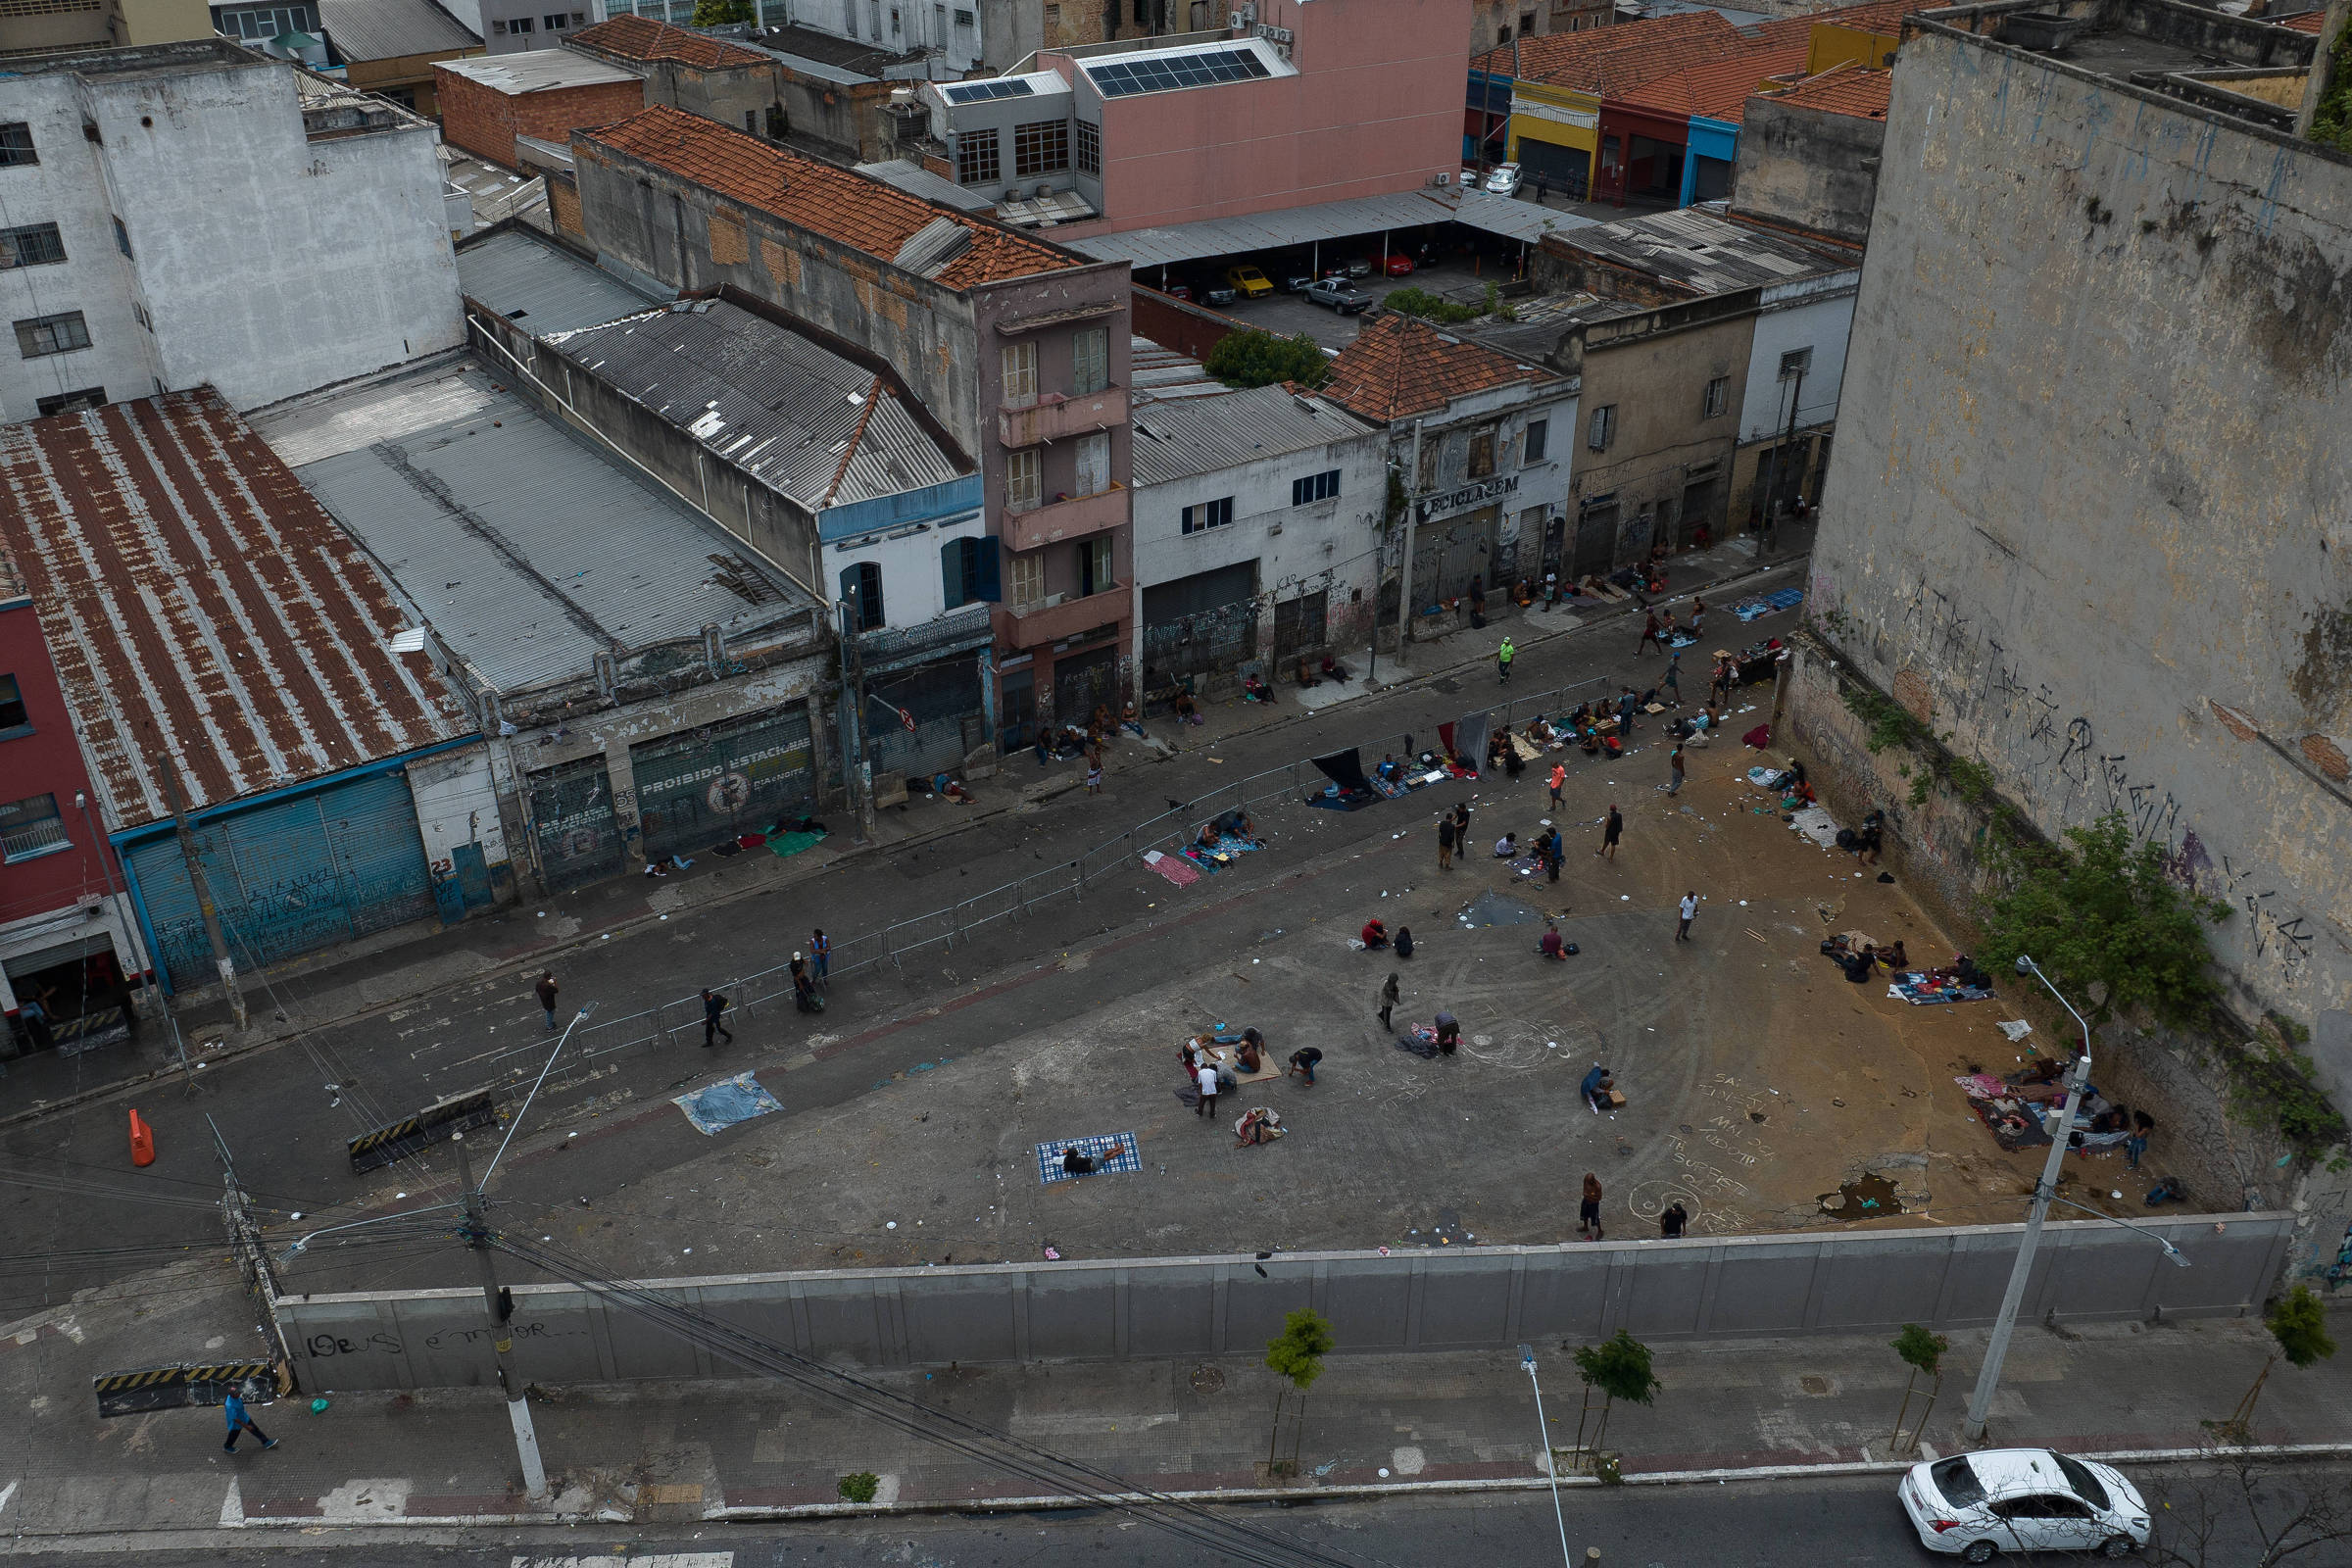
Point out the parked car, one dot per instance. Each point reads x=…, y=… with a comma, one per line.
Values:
x=1214, y=293
x=1978, y=1507
x=1248, y=281
x=1504, y=181
x=1470, y=180
x=1342, y=295
x=1180, y=291
x=1361, y=266
x=1296, y=282
x=1395, y=264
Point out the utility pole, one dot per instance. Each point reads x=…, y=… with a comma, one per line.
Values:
x=227, y=965
x=1526, y=1362
x=853, y=732
x=1405, y=584
x=501, y=1342
x=1997, y=1349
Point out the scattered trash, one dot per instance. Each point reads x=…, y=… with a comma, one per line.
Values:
x=2016, y=1029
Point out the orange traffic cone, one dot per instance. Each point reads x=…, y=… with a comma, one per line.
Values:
x=142, y=1141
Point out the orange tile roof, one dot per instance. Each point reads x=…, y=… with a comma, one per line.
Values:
x=644, y=38
x=1399, y=366
x=2307, y=21
x=1616, y=57
x=1719, y=89
x=1878, y=16
x=1846, y=89
x=844, y=207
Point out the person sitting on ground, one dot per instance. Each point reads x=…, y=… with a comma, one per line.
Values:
x=1405, y=942
x=1256, y=689
x=1671, y=1220
x=1251, y=1051
x=1333, y=669
x=1551, y=947
x=1595, y=1089
x=1303, y=1064
x=1375, y=934
x=1390, y=770
x=1207, y=837
x=1188, y=711
x=1307, y=673
x=1257, y=1126
x=1895, y=957
x=1513, y=764
x=1450, y=1033
x=1699, y=538
x=1098, y=721
x=1129, y=718
x=1506, y=848
x=1871, y=839
x=1237, y=823
x=1075, y=1161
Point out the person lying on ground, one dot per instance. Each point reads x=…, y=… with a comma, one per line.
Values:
x=1076, y=1161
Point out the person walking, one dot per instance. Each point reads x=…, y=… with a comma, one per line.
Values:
x=1206, y=1078
x=715, y=1005
x=1588, y=1210
x=1389, y=995
x=1672, y=1219
x=1558, y=781
x=547, y=989
x=1611, y=830
x=1461, y=825
x=240, y=1421
x=804, y=989
x=1650, y=635
x=1444, y=843
x=1502, y=660
x=1672, y=685
x=1093, y=771
x=820, y=956
x=2136, y=1144
x=1676, y=765
x=1688, y=913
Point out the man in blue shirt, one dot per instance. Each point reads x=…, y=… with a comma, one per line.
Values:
x=240, y=1422
x=1595, y=1089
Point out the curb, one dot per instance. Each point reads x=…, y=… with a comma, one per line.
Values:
x=1353, y=1491
x=587, y=939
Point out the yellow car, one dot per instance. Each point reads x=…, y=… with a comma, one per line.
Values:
x=1248, y=281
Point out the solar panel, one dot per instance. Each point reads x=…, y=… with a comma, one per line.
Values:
x=1122, y=78
x=973, y=92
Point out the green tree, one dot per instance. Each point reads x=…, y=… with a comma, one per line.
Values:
x=1923, y=1350
x=1255, y=358
x=2298, y=1321
x=720, y=13
x=1297, y=1356
x=2105, y=921
x=1619, y=1368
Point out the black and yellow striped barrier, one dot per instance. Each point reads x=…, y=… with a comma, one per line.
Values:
x=382, y=1146
x=168, y=1388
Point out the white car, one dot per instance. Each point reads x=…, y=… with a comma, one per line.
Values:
x=1469, y=178
x=1978, y=1506
x=1504, y=181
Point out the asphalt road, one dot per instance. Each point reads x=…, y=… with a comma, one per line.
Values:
x=1849, y=1523
x=285, y=1112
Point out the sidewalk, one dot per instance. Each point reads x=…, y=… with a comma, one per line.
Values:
x=737, y=1450
x=349, y=982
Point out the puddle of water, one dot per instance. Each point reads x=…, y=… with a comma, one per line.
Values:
x=1495, y=908
x=1866, y=1198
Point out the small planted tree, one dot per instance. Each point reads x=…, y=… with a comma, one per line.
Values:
x=1296, y=1355
x=2298, y=1321
x=1923, y=1350
x=720, y=13
x=1616, y=1369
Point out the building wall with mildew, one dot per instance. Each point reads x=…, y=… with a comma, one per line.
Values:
x=2090, y=505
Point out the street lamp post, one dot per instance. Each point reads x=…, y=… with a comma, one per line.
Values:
x=1527, y=1359
x=1996, y=1350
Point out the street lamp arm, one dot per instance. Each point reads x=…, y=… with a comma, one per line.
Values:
x=2028, y=966
x=2172, y=1251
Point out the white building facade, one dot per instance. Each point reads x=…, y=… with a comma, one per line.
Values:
x=1257, y=531
x=187, y=214
x=1796, y=372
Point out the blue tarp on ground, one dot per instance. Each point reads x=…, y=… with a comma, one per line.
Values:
x=724, y=1104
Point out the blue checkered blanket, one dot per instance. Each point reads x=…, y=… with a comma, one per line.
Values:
x=1111, y=1151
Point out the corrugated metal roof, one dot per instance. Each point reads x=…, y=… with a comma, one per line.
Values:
x=199, y=603
x=537, y=70
x=526, y=551
x=387, y=30
x=818, y=427
x=1324, y=221
x=540, y=285
x=916, y=181
x=1702, y=250
x=1188, y=437
x=1158, y=372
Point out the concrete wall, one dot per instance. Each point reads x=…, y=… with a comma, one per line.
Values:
x=1140, y=1309
x=2090, y=508
x=1808, y=168
x=484, y=120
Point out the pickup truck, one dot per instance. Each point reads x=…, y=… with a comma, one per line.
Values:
x=1340, y=294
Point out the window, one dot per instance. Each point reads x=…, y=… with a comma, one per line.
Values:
x=89, y=396
x=1020, y=374
x=1527, y=25
x=1539, y=440
x=15, y=719
x=1094, y=565
x=30, y=827
x=1090, y=148
x=1024, y=479
x=39, y=335
x=1718, y=398
x=1603, y=428
x=1207, y=514
x=33, y=245
x=968, y=569
x=1043, y=148
x=964, y=19
x=1794, y=363
x=976, y=158
x=751, y=122
x=138, y=313
x=893, y=20
x=1482, y=453
x=15, y=145
x=1052, y=22
x=1315, y=487
x=519, y=24
x=1029, y=580
x=553, y=21
x=1090, y=360
x=1427, y=478
x=122, y=237
x=862, y=591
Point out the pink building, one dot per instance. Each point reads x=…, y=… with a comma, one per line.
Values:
x=1321, y=101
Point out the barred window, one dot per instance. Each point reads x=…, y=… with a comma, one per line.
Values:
x=976, y=158
x=33, y=245
x=1090, y=148
x=1043, y=148
x=39, y=335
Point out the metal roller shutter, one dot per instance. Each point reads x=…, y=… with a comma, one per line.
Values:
x=698, y=787
x=943, y=701
x=572, y=823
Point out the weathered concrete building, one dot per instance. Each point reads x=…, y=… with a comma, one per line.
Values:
x=191, y=213
x=2090, y=510
x=1809, y=153
x=1019, y=348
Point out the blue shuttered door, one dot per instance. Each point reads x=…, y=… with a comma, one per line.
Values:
x=289, y=877
x=571, y=817
x=699, y=787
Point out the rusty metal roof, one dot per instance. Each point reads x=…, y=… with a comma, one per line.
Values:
x=199, y=603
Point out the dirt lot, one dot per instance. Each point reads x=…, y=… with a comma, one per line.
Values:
x=1758, y=1080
